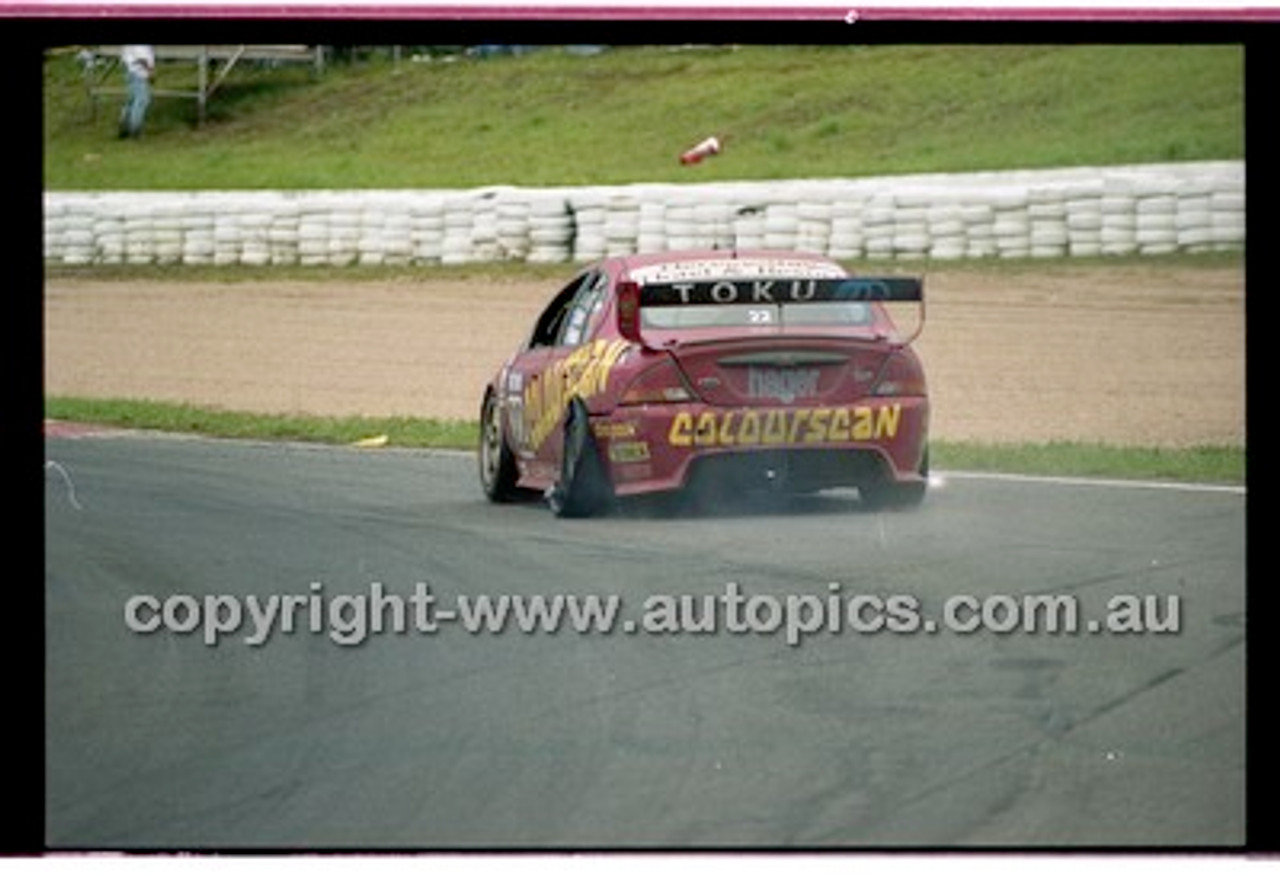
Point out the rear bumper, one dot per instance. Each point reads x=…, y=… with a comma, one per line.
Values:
x=653, y=448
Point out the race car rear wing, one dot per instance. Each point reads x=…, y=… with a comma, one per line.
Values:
x=632, y=296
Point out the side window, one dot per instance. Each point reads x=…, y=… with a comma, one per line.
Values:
x=584, y=310
x=552, y=319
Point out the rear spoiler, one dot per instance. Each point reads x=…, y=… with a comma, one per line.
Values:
x=632, y=296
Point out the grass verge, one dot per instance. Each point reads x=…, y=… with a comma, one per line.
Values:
x=1204, y=464
x=152, y=415
x=623, y=116
x=1197, y=464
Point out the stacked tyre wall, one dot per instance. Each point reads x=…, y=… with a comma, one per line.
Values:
x=1144, y=209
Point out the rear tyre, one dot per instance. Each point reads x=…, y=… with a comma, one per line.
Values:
x=583, y=488
x=498, y=471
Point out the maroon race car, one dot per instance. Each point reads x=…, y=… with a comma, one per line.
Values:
x=653, y=373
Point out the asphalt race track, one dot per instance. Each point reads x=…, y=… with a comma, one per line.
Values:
x=457, y=739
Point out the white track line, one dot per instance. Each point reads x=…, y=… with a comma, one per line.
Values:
x=939, y=479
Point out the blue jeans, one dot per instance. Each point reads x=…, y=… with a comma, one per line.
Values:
x=135, y=105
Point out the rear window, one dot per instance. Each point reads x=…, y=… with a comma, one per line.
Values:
x=747, y=315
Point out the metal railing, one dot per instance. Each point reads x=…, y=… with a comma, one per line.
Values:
x=213, y=64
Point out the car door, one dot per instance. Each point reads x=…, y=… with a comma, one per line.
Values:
x=536, y=381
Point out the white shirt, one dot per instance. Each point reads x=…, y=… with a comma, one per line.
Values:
x=138, y=59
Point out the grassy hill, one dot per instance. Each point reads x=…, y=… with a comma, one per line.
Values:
x=553, y=118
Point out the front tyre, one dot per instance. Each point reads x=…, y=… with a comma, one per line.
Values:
x=583, y=488
x=498, y=471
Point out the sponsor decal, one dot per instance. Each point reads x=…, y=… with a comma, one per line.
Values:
x=583, y=373
x=724, y=291
x=779, y=291
x=784, y=385
x=628, y=451
x=607, y=429
x=773, y=427
x=736, y=268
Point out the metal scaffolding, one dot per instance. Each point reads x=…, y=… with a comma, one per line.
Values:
x=213, y=64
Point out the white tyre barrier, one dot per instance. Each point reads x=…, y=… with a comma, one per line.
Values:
x=1148, y=209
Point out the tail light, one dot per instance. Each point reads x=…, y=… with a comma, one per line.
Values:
x=660, y=383
x=901, y=376
x=629, y=311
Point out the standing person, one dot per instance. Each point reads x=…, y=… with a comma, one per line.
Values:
x=139, y=66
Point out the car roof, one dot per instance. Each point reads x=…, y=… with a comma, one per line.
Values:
x=669, y=266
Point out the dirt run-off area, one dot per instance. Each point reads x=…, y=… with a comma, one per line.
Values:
x=1130, y=353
